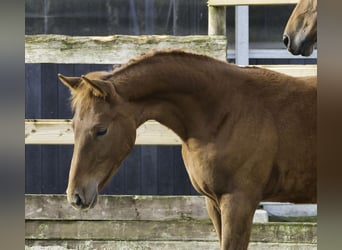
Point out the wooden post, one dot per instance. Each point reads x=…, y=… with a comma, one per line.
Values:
x=216, y=20
x=242, y=35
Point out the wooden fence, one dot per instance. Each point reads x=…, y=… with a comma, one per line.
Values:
x=135, y=222
x=145, y=222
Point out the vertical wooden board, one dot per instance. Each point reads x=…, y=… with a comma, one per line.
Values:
x=49, y=91
x=64, y=152
x=33, y=171
x=63, y=166
x=64, y=108
x=165, y=170
x=101, y=67
x=49, y=156
x=49, y=110
x=117, y=183
x=149, y=171
x=149, y=16
x=32, y=91
x=182, y=185
x=132, y=166
x=81, y=69
x=33, y=174
x=242, y=35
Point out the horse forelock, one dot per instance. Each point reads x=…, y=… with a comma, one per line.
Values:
x=84, y=98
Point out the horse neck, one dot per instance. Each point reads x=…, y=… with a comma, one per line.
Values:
x=182, y=94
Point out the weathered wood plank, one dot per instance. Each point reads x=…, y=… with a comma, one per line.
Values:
x=120, y=230
x=125, y=245
x=216, y=21
x=293, y=70
x=173, y=230
x=109, y=207
x=116, y=49
x=165, y=245
x=250, y=2
x=54, y=131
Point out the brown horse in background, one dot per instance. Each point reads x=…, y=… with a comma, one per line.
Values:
x=249, y=134
x=300, y=34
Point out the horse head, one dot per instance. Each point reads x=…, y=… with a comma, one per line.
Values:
x=104, y=135
x=300, y=33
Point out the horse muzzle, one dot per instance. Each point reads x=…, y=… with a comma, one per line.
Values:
x=297, y=46
x=82, y=200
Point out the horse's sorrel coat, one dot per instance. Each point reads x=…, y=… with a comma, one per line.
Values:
x=249, y=134
x=300, y=34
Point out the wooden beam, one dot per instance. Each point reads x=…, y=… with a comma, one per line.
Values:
x=293, y=70
x=272, y=54
x=154, y=244
x=216, y=21
x=166, y=230
x=126, y=207
x=60, y=132
x=250, y=2
x=242, y=35
x=116, y=49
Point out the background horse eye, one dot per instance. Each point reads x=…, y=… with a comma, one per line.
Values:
x=101, y=131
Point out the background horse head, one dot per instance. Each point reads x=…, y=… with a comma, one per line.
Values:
x=300, y=33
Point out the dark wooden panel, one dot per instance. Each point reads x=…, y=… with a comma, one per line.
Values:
x=49, y=168
x=49, y=90
x=165, y=170
x=33, y=91
x=64, y=108
x=132, y=166
x=33, y=173
x=149, y=170
x=64, y=153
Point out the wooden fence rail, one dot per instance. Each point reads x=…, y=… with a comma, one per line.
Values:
x=54, y=131
x=116, y=49
x=145, y=222
x=250, y=2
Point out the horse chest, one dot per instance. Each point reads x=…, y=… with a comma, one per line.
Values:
x=204, y=170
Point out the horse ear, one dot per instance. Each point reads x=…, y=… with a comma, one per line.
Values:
x=71, y=82
x=100, y=88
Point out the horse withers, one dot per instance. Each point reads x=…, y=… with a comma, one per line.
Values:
x=248, y=134
x=300, y=34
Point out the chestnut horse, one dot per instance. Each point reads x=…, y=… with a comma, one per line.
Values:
x=300, y=34
x=248, y=134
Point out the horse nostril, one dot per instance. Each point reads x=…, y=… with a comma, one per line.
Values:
x=286, y=40
x=78, y=200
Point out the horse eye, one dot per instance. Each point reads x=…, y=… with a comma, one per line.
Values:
x=101, y=131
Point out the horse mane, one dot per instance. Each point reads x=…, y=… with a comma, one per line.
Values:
x=157, y=53
x=84, y=96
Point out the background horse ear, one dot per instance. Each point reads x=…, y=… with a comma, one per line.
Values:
x=71, y=82
x=100, y=88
